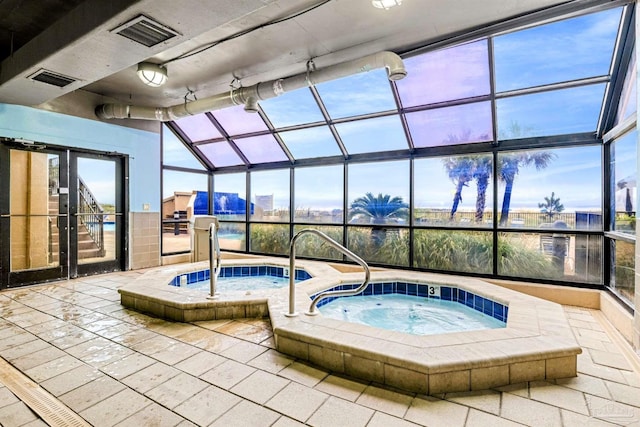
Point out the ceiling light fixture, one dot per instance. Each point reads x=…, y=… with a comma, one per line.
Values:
x=385, y=4
x=153, y=75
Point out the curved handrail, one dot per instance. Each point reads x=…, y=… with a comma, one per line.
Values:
x=322, y=295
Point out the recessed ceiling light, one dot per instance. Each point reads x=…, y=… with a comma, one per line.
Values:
x=385, y=4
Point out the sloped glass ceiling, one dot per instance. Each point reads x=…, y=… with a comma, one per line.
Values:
x=548, y=80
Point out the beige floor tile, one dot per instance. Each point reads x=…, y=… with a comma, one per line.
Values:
x=207, y=405
x=529, y=412
x=271, y=361
x=200, y=363
x=380, y=419
x=260, y=386
x=155, y=344
x=107, y=355
x=36, y=423
x=88, y=347
x=71, y=379
x=338, y=412
x=587, y=384
x=613, y=360
x=246, y=414
x=91, y=393
x=343, y=388
x=287, y=422
x=482, y=419
x=115, y=408
x=436, y=413
x=243, y=351
x=303, y=374
x=53, y=368
x=561, y=397
x=613, y=412
x=624, y=393
x=590, y=343
x=25, y=348
x=595, y=335
x=484, y=400
x=600, y=371
x=132, y=338
x=16, y=414
x=570, y=419
x=7, y=397
x=36, y=358
x=633, y=378
x=176, y=390
x=150, y=377
x=227, y=374
x=384, y=400
x=127, y=366
x=255, y=332
x=171, y=329
x=297, y=401
x=116, y=330
x=152, y=415
x=175, y=353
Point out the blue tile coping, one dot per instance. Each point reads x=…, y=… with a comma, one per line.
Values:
x=446, y=293
x=239, y=271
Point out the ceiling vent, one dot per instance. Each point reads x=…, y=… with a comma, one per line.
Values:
x=145, y=31
x=51, y=78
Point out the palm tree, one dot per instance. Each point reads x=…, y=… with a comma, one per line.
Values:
x=460, y=171
x=482, y=173
x=379, y=209
x=551, y=206
x=509, y=167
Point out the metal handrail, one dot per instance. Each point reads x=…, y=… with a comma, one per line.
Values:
x=326, y=294
x=215, y=258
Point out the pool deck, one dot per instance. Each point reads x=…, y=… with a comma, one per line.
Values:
x=536, y=345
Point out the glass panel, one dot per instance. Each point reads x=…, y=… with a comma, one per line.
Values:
x=628, y=102
x=379, y=244
x=232, y=236
x=466, y=251
x=269, y=239
x=174, y=152
x=236, y=121
x=96, y=210
x=624, y=187
x=311, y=142
x=555, y=188
x=270, y=195
x=292, y=108
x=183, y=195
x=460, y=124
x=221, y=154
x=561, y=51
x=198, y=128
x=376, y=201
x=566, y=257
x=439, y=187
x=312, y=246
x=623, y=269
x=362, y=93
x=550, y=113
x=229, y=198
x=261, y=149
x=319, y=194
x=444, y=75
x=371, y=135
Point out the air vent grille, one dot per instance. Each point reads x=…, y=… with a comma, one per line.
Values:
x=145, y=31
x=51, y=78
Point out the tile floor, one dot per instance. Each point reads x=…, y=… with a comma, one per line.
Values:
x=116, y=367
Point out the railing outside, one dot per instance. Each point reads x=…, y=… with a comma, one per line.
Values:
x=292, y=273
x=91, y=215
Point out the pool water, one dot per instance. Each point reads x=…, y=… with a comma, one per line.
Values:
x=242, y=283
x=409, y=314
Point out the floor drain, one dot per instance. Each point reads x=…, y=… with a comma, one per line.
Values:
x=50, y=409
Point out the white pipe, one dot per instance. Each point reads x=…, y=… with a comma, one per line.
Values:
x=252, y=94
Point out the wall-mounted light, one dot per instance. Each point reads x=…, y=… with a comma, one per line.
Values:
x=385, y=4
x=152, y=74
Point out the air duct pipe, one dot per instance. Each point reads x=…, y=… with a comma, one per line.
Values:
x=249, y=96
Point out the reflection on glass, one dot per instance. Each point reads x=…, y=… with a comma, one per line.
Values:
x=380, y=244
x=624, y=186
x=269, y=238
x=312, y=246
x=447, y=250
x=623, y=269
x=627, y=104
x=461, y=124
x=184, y=194
x=318, y=194
x=376, y=201
x=232, y=236
x=261, y=149
x=174, y=153
x=198, y=128
x=236, y=121
x=445, y=75
x=229, y=197
x=362, y=93
x=561, y=51
x=292, y=108
x=221, y=154
x=311, y=142
x=554, y=256
x=97, y=214
x=270, y=195
x=555, y=188
x=371, y=135
x=555, y=112
x=455, y=191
